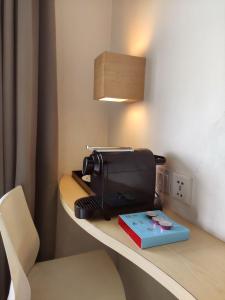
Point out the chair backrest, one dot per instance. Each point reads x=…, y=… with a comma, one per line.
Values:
x=20, y=240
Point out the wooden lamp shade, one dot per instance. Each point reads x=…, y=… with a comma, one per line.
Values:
x=119, y=77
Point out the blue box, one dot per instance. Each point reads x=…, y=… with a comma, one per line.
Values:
x=145, y=233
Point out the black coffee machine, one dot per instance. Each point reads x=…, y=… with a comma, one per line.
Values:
x=122, y=180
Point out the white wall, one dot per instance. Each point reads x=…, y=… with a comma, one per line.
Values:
x=183, y=114
x=82, y=32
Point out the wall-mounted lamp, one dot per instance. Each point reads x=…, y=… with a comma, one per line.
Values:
x=119, y=77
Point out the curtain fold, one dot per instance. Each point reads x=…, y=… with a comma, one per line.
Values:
x=7, y=118
x=26, y=54
x=28, y=115
x=47, y=132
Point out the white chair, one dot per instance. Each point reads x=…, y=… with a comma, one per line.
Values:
x=89, y=276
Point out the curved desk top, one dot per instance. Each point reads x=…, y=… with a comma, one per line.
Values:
x=193, y=269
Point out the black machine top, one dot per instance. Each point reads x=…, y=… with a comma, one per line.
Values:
x=123, y=159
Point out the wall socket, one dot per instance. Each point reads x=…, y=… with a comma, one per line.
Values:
x=182, y=188
x=162, y=180
x=176, y=185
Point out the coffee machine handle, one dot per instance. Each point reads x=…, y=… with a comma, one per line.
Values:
x=159, y=160
x=88, y=165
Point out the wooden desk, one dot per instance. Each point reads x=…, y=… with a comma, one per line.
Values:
x=194, y=269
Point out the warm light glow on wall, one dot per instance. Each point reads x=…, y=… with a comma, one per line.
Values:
x=135, y=115
x=135, y=124
x=139, y=28
x=133, y=33
x=139, y=41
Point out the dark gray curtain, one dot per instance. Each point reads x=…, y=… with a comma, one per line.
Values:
x=47, y=133
x=28, y=115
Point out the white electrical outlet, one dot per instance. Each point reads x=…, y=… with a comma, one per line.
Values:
x=182, y=188
x=162, y=180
